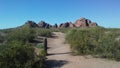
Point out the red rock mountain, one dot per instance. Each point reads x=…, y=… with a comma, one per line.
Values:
x=82, y=22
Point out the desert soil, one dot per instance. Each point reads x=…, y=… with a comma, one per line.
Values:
x=60, y=57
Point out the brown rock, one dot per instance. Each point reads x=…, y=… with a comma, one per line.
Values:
x=88, y=21
x=81, y=23
x=66, y=25
x=55, y=26
x=84, y=23
x=42, y=24
x=71, y=25
x=93, y=24
x=31, y=24
x=61, y=25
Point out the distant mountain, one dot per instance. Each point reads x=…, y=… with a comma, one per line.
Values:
x=82, y=22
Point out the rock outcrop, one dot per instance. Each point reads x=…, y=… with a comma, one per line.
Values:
x=55, y=26
x=93, y=24
x=42, y=24
x=31, y=24
x=66, y=25
x=82, y=22
x=71, y=25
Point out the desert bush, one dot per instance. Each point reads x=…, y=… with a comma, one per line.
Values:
x=108, y=47
x=42, y=53
x=1, y=38
x=79, y=40
x=96, y=41
x=40, y=45
x=17, y=55
x=24, y=34
x=43, y=32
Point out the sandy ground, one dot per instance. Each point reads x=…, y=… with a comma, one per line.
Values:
x=59, y=56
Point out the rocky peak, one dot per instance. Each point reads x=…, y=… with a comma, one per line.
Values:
x=83, y=22
x=66, y=25
x=43, y=24
x=31, y=24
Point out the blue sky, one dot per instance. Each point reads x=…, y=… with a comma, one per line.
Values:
x=16, y=12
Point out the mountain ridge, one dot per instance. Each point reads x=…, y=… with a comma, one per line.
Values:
x=82, y=22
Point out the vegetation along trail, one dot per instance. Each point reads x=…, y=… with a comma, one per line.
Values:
x=60, y=57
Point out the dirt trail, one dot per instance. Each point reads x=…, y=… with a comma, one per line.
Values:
x=59, y=56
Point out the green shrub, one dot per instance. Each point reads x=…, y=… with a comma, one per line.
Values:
x=108, y=47
x=40, y=45
x=17, y=52
x=96, y=41
x=16, y=55
x=64, y=30
x=1, y=39
x=79, y=40
x=24, y=34
x=42, y=53
x=43, y=32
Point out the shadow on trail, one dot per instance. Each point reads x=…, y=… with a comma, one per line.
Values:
x=54, y=37
x=55, y=63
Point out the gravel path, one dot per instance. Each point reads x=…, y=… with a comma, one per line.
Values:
x=59, y=56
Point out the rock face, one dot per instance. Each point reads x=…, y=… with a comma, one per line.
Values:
x=42, y=24
x=71, y=25
x=83, y=22
x=93, y=24
x=66, y=25
x=31, y=24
